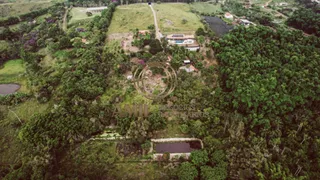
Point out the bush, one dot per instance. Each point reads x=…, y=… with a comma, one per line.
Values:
x=184, y=21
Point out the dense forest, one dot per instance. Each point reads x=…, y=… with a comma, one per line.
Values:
x=269, y=92
x=307, y=20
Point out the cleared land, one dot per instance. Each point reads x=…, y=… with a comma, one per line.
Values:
x=128, y=17
x=171, y=16
x=206, y=7
x=79, y=14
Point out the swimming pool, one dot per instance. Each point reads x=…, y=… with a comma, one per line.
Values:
x=179, y=41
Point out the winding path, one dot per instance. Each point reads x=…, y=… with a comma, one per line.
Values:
x=158, y=34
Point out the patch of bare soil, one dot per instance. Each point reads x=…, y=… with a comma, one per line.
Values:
x=125, y=39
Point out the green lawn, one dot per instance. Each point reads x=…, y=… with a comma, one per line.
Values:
x=12, y=72
x=129, y=17
x=170, y=18
x=79, y=13
x=204, y=7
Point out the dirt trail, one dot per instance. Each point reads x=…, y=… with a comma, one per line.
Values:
x=158, y=34
x=65, y=23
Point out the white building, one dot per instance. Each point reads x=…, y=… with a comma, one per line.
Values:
x=96, y=9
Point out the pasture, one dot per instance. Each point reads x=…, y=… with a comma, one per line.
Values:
x=176, y=17
x=206, y=7
x=79, y=14
x=14, y=9
x=128, y=17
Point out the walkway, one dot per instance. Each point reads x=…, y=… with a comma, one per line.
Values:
x=158, y=34
x=64, y=24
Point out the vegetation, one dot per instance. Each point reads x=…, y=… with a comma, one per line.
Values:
x=127, y=18
x=170, y=18
x=255, y=90
x=306, y=20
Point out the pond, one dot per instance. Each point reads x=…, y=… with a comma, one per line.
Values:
x=218, y=25
x=177, y=147
x=8, y=88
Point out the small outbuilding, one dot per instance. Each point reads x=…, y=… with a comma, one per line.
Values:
x=228, y=16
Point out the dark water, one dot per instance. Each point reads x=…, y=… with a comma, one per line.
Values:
x=8, y=88
x=177, y=147
x=218, y=25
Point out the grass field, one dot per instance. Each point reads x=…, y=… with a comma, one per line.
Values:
x=12, y=72
x=170, y=18
x=204, y=7
x=79, y=13
x=13, y=9
x=129, y=17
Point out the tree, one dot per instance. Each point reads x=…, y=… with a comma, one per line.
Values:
x=216, y=173
x=187, y=171
x=200, y=32
x=199, y=157
x=155, y=46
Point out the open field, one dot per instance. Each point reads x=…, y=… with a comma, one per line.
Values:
x=170, y=18
x=205, y=7
x=79, y=13
x=13, y=9
x=12, y=72
x=129, y=17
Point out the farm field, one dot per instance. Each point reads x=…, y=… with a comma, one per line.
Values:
x=79, y=13
x=170, y=18
x=128, y=17
x=206, y=7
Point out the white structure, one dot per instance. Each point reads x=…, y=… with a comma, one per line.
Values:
x=172, y=155
x=317, y=1
x=283, y=4
x=96, y=9
x=186, y=61
x=228, y=16
x=246, y=22
x=187, y=41
x=188, y=68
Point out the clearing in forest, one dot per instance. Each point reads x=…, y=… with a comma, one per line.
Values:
x=128, y=17
x=176, y=17
x=79, y=13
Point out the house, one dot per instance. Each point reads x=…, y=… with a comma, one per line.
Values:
x=96, y=9
x=187, y=41
x=174, y=148
x=228, y=16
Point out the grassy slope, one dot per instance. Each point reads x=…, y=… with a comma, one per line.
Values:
x=22, y=8
x=129, y=17
x=12, y=73
x=205, y=7
x=79, y=13
x=175, y=13
x=9, y=143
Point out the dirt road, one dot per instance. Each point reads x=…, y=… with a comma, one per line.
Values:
x=158, y=34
